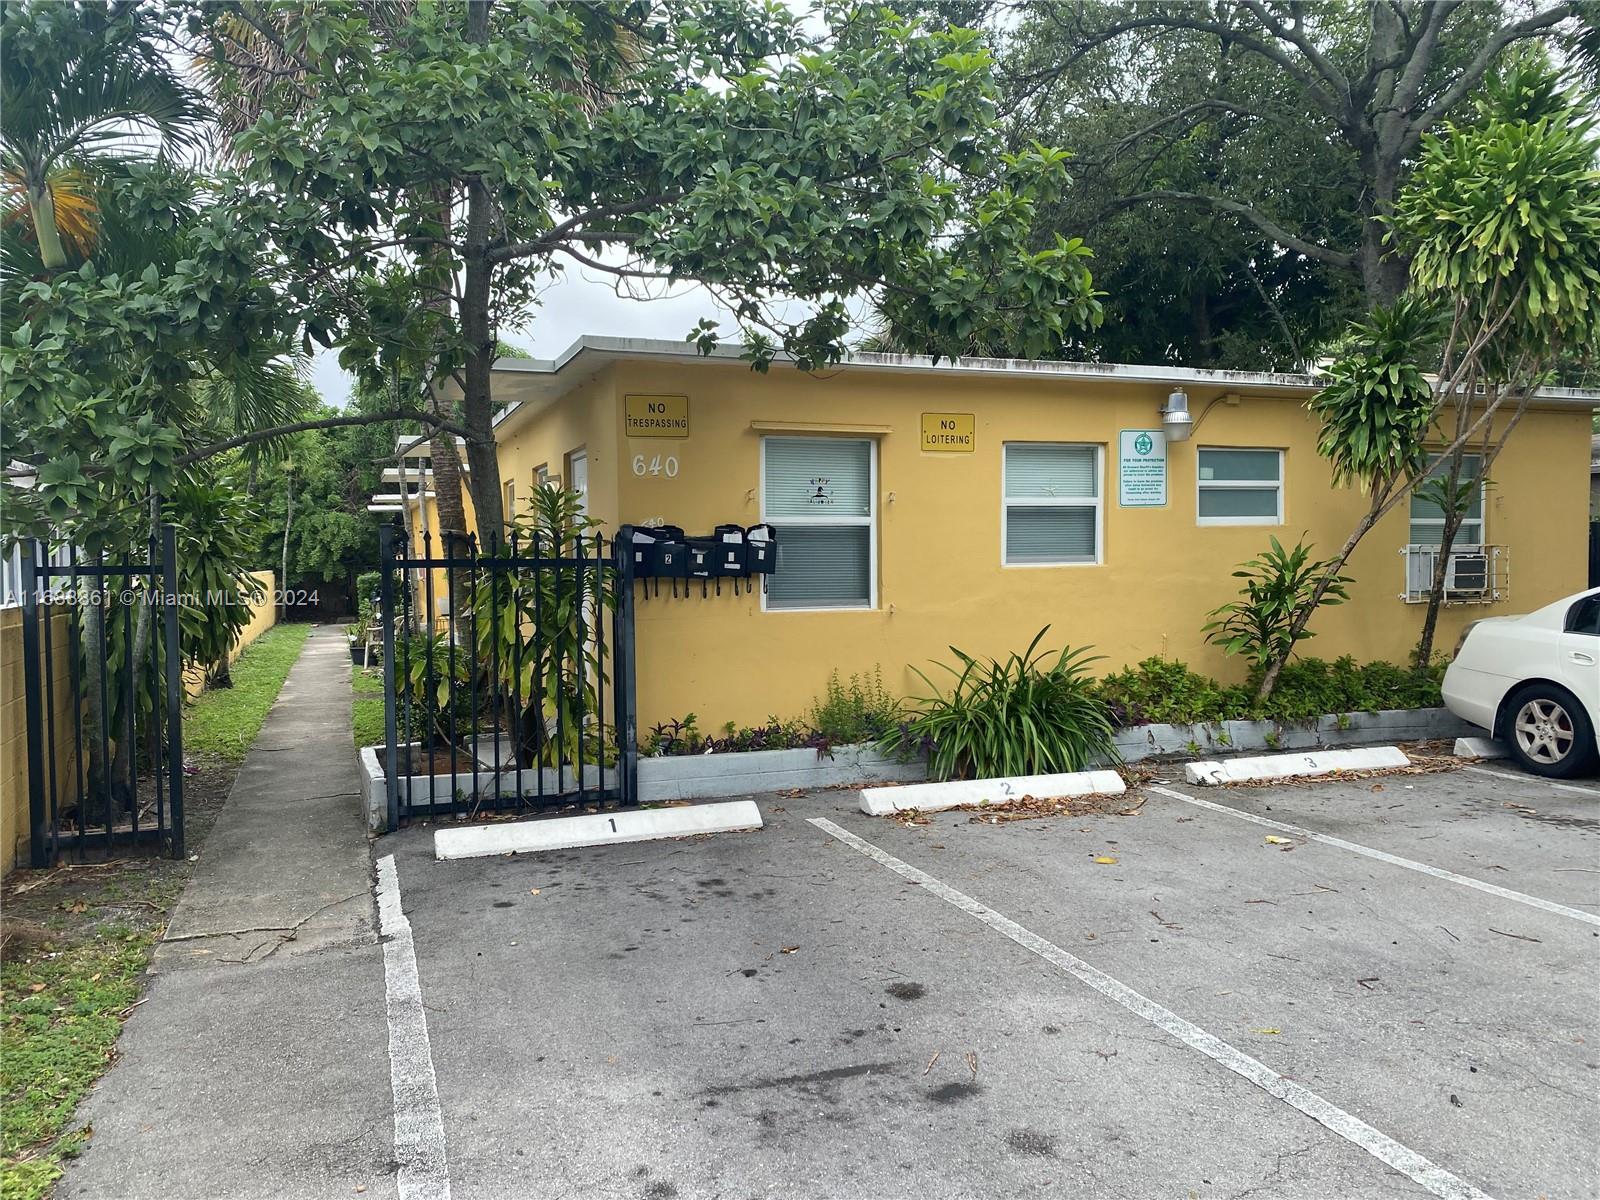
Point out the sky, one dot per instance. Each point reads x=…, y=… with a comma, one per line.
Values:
x=577, y=303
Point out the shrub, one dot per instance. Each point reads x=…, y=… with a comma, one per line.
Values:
x=1261, y=624
x=682, y=736
x=433, y=696
x=1022, y=715
x=858, y=711
x=1164, y=690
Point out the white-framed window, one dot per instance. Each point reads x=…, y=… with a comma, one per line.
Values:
x=1427, y=518
x=1238, y=487
x=510, y=501
x=541, y=475
x=578, y=478
x=1051, y=501
x=821, y=495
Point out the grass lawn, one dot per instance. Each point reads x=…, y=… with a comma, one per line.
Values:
x=367, y=708
x=75, y=940
x=221, y=724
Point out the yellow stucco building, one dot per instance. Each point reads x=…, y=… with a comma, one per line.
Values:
x=919, y=505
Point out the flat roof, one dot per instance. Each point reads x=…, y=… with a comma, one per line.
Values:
x=528, y=381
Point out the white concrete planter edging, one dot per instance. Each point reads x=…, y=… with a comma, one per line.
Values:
x=1138, y=742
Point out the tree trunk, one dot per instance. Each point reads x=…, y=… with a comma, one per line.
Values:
x=477, y=403
x=123, y=765
x=42, y=210
x=1441, y=571
x=283, y=560
x=94, y=671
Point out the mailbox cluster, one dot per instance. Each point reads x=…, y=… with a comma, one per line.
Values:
x=731, y=552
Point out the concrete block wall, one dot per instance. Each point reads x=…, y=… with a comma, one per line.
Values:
x=14, y=730
x=263, y=616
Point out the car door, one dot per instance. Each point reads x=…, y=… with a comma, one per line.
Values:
x=1580, y=653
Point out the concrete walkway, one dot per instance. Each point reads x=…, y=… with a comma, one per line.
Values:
x=257, y=1066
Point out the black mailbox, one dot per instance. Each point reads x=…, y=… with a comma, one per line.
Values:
x=702, y=557
x=668, y=557
x=761, y=549
x=669, y=560
x=730, y=550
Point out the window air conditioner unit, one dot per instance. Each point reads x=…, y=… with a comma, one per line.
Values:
x=1474, y=575
x=1468, y=575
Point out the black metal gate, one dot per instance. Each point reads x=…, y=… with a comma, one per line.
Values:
x=103, y=696
x=508, y=675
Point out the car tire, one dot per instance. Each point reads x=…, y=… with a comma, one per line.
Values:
x=1548, y=732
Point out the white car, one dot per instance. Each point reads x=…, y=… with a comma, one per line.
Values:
x=1534, y=683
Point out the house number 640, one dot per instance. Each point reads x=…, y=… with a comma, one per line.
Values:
x=657, y=465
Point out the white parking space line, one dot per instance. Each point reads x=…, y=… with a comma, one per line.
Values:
x=418, y=1124
x=1382, y=1147
x=1394, y=860
x=1537, y=779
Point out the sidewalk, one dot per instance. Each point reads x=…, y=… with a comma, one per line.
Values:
x=257, y=1065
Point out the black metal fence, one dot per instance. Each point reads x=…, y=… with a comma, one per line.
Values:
x=508, y=674
x=103, y=697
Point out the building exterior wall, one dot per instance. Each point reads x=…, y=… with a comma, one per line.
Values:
x=940, y=580
x=583, y=420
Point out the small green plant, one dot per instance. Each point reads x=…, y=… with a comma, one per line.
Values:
x=1223, y=739
x=1192, y=746
x=433, y=685
x=1273, y=738
x=860, y=710
x=1343, y=722
x=1262, y=624
x=1025, y=714
x=678, y=735
x=1164, y=690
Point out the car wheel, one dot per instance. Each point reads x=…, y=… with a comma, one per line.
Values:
x=1548, y=731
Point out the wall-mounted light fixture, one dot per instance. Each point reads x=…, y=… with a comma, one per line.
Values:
x=1176, y=418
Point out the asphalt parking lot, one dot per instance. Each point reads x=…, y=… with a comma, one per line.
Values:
x=1161, y=1004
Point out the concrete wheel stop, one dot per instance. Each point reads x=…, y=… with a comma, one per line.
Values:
x=594, y=829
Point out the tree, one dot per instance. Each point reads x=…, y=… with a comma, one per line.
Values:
x=719, y=143
x=80, y=84
x=1188, y=284
x=1502, y=226
x=1294, y=124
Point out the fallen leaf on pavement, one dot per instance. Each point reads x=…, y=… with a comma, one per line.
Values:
x=1266, y=1031
x=790, y=950
x=1274, y=840
x=1106, y=860
x=533, y=891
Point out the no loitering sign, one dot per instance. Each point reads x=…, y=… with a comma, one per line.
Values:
x=655, y=416
x=948, y=433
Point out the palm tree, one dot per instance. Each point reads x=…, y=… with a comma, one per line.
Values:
x=81, y=84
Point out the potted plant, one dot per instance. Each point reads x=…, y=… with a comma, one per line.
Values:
x=358, y=640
